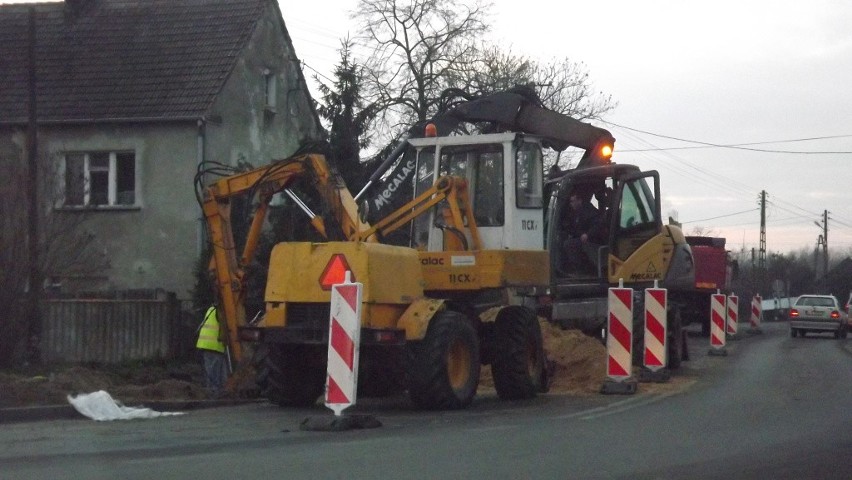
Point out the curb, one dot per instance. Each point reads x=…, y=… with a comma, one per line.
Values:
x=67, y=412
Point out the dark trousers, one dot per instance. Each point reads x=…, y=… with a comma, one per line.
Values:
x=215, y=371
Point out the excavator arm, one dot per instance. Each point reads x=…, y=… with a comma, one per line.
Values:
x=518, y=110
x=450, y=188
x=262, y=183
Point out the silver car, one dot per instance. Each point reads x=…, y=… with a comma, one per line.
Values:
x=817, y=313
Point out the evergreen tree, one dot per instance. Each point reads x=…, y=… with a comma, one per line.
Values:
x=343, y=107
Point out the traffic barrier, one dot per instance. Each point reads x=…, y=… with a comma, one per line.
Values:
x=756, y=314
x=619, y=342
x=656, y=305
x=717, y=324
x=733, y=314
x=344, y=333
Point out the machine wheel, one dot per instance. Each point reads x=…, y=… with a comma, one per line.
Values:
x=676, y=341
x=518, y=368
x=638, y=330
x=291, y=376
x=381, y=371
x=445, y=367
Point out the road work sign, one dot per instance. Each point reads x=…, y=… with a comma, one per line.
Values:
x=756, y=314
x=344, y=331
x=619, y=342
x=718, y=313
x=733, y=314
x=656, y=300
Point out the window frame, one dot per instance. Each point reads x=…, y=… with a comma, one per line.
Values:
x=529, y=177
x=113, y=180
x=471, y=167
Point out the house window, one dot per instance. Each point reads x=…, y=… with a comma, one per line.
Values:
x=100, y=179
x=270, y=88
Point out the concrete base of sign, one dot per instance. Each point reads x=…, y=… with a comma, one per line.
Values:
x=754, y=331
x=718, y=352
x=334, y=423
x=624, y=387
x=662, y=375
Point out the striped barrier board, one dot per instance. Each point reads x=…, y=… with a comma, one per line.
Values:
x=619, y=341
x=756, y=314
x=656, y=301
x=733, y=313
x=344, y=333
x=756, y=311
x=718, y=308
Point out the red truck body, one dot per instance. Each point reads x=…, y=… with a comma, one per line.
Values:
x=713, y=272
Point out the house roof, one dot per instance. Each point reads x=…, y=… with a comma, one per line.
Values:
x=119, y=60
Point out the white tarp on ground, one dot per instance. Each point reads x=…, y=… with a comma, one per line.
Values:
x=101, y=406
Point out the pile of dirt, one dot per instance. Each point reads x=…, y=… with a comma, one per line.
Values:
x=577, y=361
x=130, y=385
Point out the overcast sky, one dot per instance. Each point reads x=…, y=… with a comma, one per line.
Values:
x=722, y=72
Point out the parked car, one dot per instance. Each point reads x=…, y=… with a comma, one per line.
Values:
x=818, y=313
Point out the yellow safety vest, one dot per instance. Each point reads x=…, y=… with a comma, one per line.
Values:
x=208, y=335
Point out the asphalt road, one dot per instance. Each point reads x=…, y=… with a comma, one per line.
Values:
x=775, y=407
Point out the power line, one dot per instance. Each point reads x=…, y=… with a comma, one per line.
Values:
x=316, y=71
x=716, y=145
x=721, y=216
x=732, y=145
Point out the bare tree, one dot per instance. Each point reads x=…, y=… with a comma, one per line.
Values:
x=67, y=248
x=703, y=231
x=563, y=86
x=416, y=46
x=419, y=48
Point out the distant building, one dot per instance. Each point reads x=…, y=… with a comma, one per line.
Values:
x=131, y=96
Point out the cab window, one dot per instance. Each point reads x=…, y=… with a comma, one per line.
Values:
x=528, y=175
x=637, y=205
x=637, y=220
x=482, y=166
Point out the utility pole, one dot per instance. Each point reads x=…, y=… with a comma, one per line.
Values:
x=34, y=280
x=823, y=241
x=761, y=255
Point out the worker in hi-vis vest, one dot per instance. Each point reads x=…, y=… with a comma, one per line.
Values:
x=212, y=345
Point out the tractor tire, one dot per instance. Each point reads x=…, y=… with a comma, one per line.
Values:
x=444, y=371
x=381, y=371
x=676, y=341
x=519, y=366
x=638, y=330
x=291, y=375
x=676, y=347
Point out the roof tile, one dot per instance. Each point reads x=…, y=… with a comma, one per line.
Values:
x=122, y=59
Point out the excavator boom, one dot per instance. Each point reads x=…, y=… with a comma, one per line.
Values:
x=262, y=183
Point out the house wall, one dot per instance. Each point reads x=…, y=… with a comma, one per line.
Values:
x=153, y=244
x=240, y=127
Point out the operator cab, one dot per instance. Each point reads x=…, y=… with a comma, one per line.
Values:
x=621, y=213
x=505, y=183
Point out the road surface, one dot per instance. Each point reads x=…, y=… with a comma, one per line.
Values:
x=775, y=407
